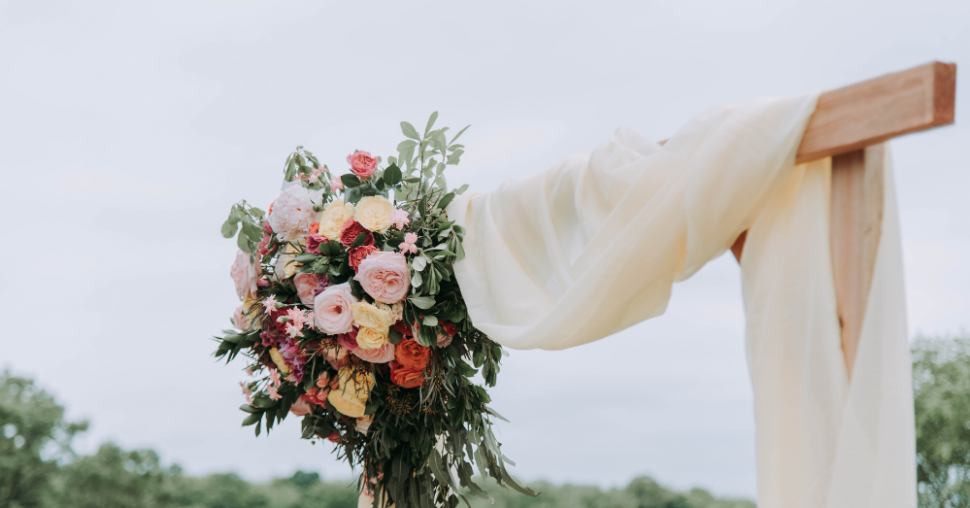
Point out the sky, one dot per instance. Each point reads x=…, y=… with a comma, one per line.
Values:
x=128, y=129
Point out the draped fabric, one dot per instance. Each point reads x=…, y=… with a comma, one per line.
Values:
x=593, y=244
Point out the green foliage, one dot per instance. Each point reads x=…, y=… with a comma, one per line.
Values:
x=33, y=437
x=941, y=381
x=114, y=478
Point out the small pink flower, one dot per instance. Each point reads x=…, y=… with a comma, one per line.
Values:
x=274, y=377
x=362, y=164
x=400, y=219
x=273, y=394
x=293, y=331
x=270, y=303
x=409, y=243
x=336, y=184
x=297, y=316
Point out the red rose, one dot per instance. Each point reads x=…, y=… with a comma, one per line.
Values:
x=350, y=231
x=313, y=243
x=357, y=254
x=449, y=327
x=403, y=328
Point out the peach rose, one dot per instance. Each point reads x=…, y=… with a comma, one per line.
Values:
x=385, y=276
x=308, y=286
x=374, y=213
x=245, y=275
x=333, y=217
x=332, y=312
x=362, y=164
x=383, y=354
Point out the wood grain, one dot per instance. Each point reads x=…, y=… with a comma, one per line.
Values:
x=856, y=226
x=873, y=111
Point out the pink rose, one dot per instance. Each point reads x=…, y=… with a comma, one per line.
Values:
x=362, y=164
x=308, y=286
x=331, y=310
x=239, y=319
x=385, y=276
x=348, y=341
x=382, y=354
x=292, y=212
x=313, y=242
x=245, y=275
x=300, y=407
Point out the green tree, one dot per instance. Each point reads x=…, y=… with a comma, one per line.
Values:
x=114, y=478
x=33, y=437
x=941, y=382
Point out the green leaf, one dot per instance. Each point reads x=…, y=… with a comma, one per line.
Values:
x=394, y=336
x=244, y=244
x=434, y=116
x=306, y=257
x=459, y=134
x=445, y=200
x=359, y=240
x=350, y=181
x=410, y=131
x=419, y=263
x=405, y=145
x=430, y=321
x=229, y=228
x=392, y=175
x=422, y=302
x=252, y=419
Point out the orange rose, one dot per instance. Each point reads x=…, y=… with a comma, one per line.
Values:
x=407, y=378
x=411, y=355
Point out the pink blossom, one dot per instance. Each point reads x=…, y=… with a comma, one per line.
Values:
x=292, y=212
x=400, y=219
x=336, y=184
x=383, y=354
x=409, y=243
x=270, y=303
x=297, y=316
x=444, y=340
x=308, y=286
x=331, y=309
x=293, y=331
x=274, y=377
x=384, y=276
x=244, y=275
x=273, y=394
x=362, y=164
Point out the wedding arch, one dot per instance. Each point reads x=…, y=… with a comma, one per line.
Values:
x=801, y=191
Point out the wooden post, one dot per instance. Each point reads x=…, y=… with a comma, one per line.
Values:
x=856, y=226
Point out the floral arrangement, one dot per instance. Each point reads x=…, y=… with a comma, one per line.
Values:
x=352, y=320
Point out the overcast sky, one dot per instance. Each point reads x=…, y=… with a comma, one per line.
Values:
x=127, y=129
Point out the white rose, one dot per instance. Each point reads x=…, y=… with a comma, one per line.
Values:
x=292, y=212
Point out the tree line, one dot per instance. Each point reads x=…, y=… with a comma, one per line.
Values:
x=39, y=469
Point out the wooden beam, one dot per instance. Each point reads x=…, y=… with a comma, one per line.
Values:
x=870, y=112
x=856, y=226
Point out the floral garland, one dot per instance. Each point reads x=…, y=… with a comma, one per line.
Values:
x=352, y=319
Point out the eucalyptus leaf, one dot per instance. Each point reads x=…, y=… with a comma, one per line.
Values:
x=409, y=131
x=434, y=116
x=422, y=302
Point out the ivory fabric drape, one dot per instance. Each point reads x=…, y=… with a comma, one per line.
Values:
x=593, y=244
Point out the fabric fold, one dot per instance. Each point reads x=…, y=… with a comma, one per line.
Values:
x=593, y=244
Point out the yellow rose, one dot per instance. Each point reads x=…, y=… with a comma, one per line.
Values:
x=350, y=397
x=369, y=338
x=332, y=219
x=278, y=360
x=374, y=213
x=396, y=311
x=367, y=315
x=285, y=268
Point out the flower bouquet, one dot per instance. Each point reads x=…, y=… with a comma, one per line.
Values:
x=352, y=320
